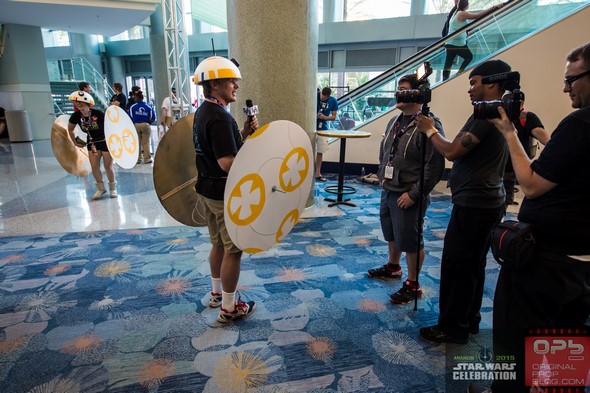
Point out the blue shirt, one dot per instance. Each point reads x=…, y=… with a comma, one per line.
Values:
x=326, y=108
x=141, y=112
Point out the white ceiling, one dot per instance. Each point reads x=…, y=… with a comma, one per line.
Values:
x=102, y=17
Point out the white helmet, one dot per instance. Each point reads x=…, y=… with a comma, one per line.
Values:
x=81, y=96
x=216, y=67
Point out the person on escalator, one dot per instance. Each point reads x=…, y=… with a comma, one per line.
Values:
x=457, y=46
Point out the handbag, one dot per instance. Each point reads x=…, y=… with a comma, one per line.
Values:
x=513, y=244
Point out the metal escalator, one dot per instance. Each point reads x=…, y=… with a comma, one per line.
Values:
x=488, y=35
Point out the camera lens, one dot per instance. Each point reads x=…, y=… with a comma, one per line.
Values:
x=486, y=109
x=489, y=109
x=413, y=95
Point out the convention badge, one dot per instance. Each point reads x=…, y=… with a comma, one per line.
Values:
x=388, y=172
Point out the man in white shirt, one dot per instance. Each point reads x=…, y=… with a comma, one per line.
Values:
x=167, y=105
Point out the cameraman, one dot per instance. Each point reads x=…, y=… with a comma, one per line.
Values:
x=554, y=290
x=529, y=126
x=400, y=158
x=479, y=155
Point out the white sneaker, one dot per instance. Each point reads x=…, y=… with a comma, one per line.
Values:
x=242, y=310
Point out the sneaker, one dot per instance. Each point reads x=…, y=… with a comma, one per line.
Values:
x=406, y=294
x=214, y=300
x=433, y=333
x=477, y=388
x=243, y=309
x=385, y=271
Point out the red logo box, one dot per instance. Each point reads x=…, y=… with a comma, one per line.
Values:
x=557, y=360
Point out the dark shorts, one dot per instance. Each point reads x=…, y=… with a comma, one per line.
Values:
x=102, y=146
x=400, y=225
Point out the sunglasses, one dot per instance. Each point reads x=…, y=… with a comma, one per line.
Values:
x=569, y=81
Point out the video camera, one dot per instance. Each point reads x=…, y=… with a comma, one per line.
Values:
x=511, y=102
x=421, y=95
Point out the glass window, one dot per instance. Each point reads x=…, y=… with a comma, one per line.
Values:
x=444, y=6
x=549, y=2
x=439, y=6
x=135, y=33
x=53, y=38
x=376, y=9
x=207, y=28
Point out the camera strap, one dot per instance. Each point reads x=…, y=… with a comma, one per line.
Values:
x=523, y=115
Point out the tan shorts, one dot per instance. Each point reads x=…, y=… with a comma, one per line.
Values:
x=321, y=144
x=216, y=224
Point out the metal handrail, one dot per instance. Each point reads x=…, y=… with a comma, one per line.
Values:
x=426, y=52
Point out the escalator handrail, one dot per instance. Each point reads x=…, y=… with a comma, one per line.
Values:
x=359, y=91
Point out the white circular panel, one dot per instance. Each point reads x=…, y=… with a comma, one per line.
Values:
x=121, y=137
x=268, y=186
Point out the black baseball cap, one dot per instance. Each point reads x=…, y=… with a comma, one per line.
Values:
x=490, y=67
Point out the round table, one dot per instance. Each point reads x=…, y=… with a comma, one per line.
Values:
x=340, y=190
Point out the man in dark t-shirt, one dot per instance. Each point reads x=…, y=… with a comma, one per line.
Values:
x=119, y=98
x=553, y=291
x=479, y=156
x=217, y=140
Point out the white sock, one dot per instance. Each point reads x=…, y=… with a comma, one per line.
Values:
x=216, y=285
x=228, y=301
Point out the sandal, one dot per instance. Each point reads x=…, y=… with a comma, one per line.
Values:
x=321, y=178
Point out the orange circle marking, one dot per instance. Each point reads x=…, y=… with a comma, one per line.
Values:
x=115, y=146
x=253, y=186
x=291, y=218
x=113, y=110
x=292, y=162
x=129, y=141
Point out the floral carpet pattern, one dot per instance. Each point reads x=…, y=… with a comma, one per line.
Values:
x=127, y=311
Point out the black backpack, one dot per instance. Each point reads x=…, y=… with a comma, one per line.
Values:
x=445, y=30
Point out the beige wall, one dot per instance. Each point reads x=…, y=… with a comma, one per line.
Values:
x=540, y=60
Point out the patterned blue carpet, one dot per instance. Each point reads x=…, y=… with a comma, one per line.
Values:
x=126, y=311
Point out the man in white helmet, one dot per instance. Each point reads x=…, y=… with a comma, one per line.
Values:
x=217, y=139
x=91, y=122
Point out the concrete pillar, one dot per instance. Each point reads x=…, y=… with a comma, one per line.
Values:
x=158, y=60
x=86, y=46
x=418, y=7
x=276, y=44
x=24, y=79
x=116, y=72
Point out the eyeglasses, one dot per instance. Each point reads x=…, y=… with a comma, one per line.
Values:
x=569, y=81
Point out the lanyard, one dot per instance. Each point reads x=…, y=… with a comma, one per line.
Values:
x=87, y=124
x=397, y=133
x=214, y=100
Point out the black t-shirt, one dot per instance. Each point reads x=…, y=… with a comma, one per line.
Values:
x=561, y=217
x=122, y=100
x=525, y=134
x=476, y=178
x=215, y=135
x=94, y=124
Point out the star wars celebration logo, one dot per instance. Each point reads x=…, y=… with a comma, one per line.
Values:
x=483, y=365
